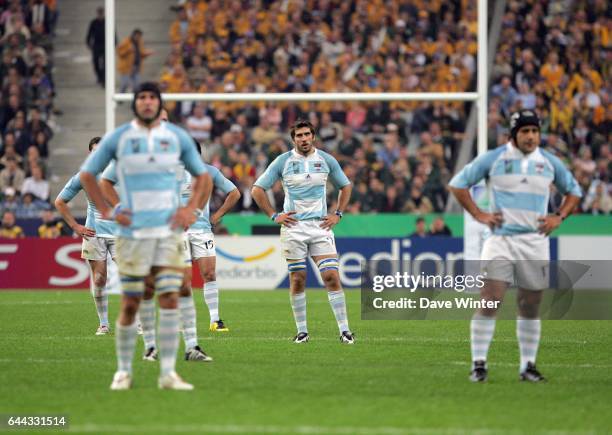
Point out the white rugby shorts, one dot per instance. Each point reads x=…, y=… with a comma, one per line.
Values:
x=521, y=259
x=136, y=257
x=306, y=238
x=95, y=248
x=199, y=245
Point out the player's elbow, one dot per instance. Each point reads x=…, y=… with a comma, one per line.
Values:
x=59, y=202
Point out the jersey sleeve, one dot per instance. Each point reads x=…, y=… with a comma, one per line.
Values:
x=189, y=154
x=219, y=180
x=272, y=174
x=564, y=180
x=476, y=170
x=71, y=189
x=102, y=156
x=110, y=173
x=336, y=174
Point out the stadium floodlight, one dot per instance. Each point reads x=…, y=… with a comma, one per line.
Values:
x=480, y=96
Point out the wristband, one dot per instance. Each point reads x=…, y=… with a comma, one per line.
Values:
x=338, y=213
x=197, y=212
x=561, y=216
x=116, y=211
x=274, y=216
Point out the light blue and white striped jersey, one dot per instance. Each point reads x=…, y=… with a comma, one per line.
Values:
x=148, y=169
x=519, y=184
x=104, y=228
x=304, y=181
x=202, y=224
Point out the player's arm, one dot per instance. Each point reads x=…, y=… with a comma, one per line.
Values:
x=265, y=182
x=470, y=175
x=95, y=163
x=69, y=191
x=566, y=184
x=230, y=201
x=107, y=184
x=345, y=188
x=232, y=195
x=201, y=183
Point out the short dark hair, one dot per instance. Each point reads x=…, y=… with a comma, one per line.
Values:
x=93, y=141
x=301, y=123
x=420, y=219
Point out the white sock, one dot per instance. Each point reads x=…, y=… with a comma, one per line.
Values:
x=102, y=307
x=481, y=334
x=125, y=339
x=188, y=321
x=147, y=321
x=298, y=305
x=168, y=338
x=528, y=334
x=211, y=297
x=337, y=301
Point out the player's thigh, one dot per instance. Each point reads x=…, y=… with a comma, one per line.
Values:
x=135, y=257
x=94, y=249
x=294, y=242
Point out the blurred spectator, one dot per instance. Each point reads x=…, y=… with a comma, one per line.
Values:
x=598, y=199
x=9, y=152
x=439, y=228
x=199, y=124
x=33, y=159
x=9, y=229
x=131, y=53
x=36, y=184
x=95, y=41
x=12, y=175
x=10, y=201
x=51, y=227
x=30, y=207
x=419, y=230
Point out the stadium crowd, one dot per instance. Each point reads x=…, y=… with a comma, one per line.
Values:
x=26, y=104
x=400, y=155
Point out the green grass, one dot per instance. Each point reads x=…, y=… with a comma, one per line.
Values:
x=400, y=377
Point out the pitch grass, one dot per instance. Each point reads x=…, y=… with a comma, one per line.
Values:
x=400, y=377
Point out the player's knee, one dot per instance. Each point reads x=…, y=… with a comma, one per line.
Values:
x=99, y=279
x=129, y=308
x=168, y=300
x=298, y=281
x=185, y=290
x=168, y=281
x=209, y=276
x=331, y=280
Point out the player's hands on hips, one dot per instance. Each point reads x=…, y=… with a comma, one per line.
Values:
x=329, y=221
x=214, y=219
x=183, y=218
x=492, y=220
x=83, y=231
x=549, y=223
x=286, y=219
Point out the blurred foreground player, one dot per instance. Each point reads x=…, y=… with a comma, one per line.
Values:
x=306, y=226
x=148, y=155
x=98, y=242
x=519, y=175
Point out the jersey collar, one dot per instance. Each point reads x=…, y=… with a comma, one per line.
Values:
x=309, y=156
